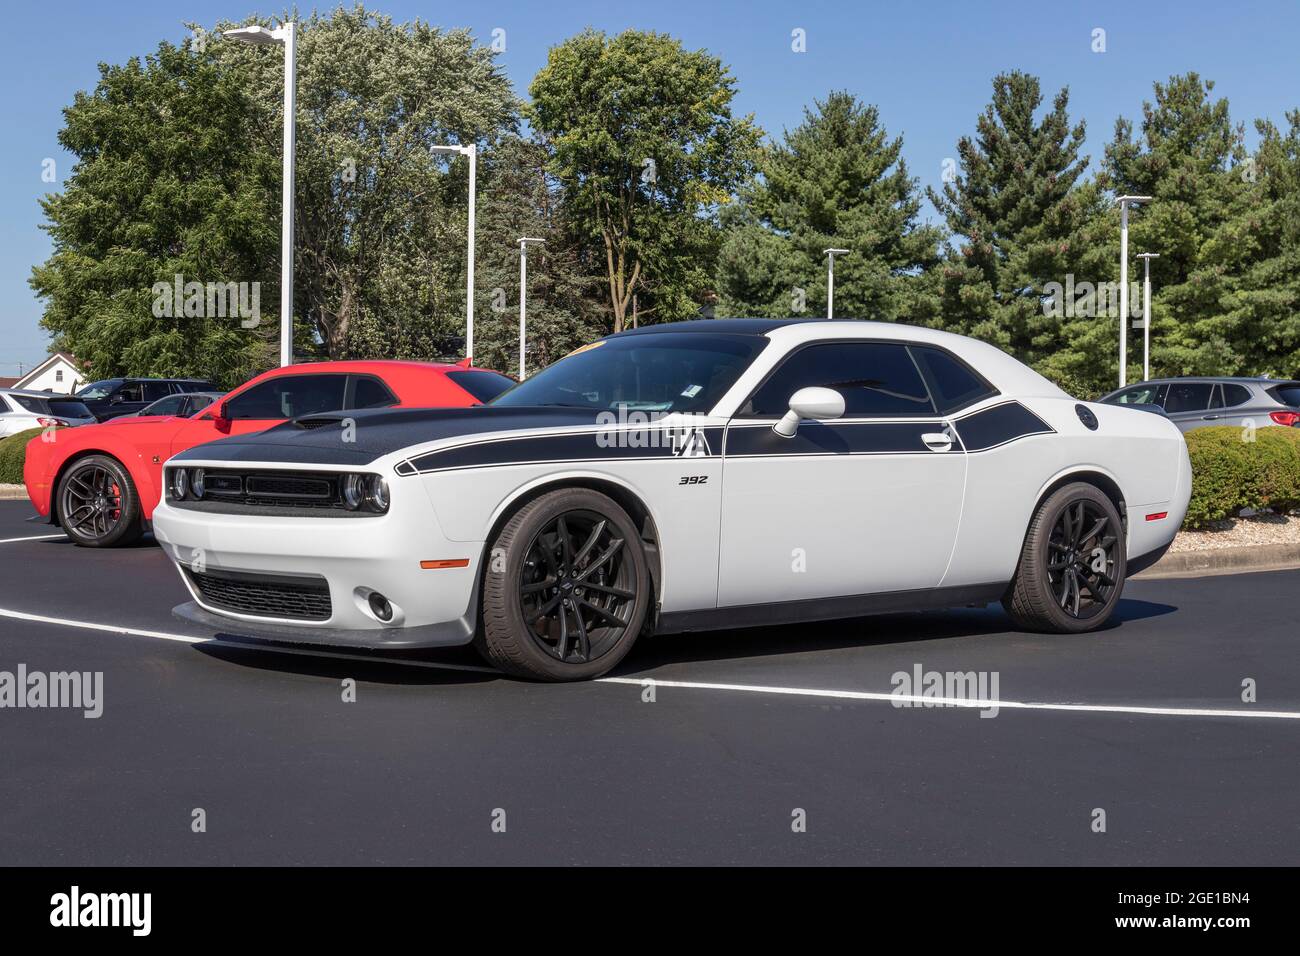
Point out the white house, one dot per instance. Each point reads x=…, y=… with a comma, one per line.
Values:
x=58, y=373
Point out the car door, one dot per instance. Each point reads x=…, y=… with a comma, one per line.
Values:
x=126, y=399
x=1188, y=403
x=1237, y=408
x=864, y=504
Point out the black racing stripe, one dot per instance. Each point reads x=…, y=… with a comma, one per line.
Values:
x=594, y=446
x=834, y=438
x=1000, y=424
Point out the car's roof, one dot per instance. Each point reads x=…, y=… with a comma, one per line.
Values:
x=733, y=326
x=35, y=394
x=1228, y=379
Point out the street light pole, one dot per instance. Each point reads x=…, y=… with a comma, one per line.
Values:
x=1124, y=202
x=471, y=152
x=830, y=279
x=287, y=35
x=1146, y=258
x=523, y=291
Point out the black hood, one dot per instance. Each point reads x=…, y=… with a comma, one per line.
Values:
x=319, y=439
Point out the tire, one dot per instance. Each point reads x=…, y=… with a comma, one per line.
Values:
x=101, y=484
x=1060, y=549
x=601, y=576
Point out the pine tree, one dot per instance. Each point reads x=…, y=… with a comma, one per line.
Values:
x=1023, y=217
x=836, y=181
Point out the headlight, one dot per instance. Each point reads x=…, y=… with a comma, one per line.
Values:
x=354, y=491
x=196, y=483
x=377, y=494
x=180, y=483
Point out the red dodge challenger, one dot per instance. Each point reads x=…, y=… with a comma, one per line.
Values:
x=100, y=483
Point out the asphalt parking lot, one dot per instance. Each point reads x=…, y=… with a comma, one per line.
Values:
x=746, y=728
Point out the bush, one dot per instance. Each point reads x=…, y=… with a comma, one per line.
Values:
x=13, y=451
x=1230, y=472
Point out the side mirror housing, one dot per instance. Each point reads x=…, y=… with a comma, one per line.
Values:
x=819, y=404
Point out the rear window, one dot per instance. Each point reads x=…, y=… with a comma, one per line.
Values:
x=1287, y=395
x=484, y=386
x=68, y=408
x=954, y=385
x=32, y=404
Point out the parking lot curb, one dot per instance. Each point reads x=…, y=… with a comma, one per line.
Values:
x=1187, y=564
x=11, y=492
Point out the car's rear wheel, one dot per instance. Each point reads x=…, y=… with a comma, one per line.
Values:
x=566, y=589
x=98, y=504
x=1072, y=567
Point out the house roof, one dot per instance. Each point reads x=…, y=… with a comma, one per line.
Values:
x=54, y=357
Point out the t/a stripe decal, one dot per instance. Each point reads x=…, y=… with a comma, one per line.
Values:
x=589, y=446
x=834, y=438
x=1000, y=424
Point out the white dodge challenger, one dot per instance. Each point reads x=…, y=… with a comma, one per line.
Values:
x=697, y=475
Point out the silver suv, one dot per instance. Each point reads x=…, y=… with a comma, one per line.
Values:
x=1197, y=402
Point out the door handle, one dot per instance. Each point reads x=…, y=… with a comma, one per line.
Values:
x=1210, y=418
x=937, y=441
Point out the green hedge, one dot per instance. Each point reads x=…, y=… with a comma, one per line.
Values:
x=12, y=452
x=1230, y=472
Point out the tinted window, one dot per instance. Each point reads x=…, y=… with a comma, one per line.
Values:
x=658, y=371
x=875, y=378
x=289, y=396
x=69, y=408
x=1188, y=397
x=953, y=383
x=156, y=390
x=372, y=393
x=484, y=386
x=1287, y=395
x=1234, y=395
x=29, y=403
x=130, y=392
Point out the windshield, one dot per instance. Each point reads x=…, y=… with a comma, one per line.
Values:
x=653, y=372
x=97, y=390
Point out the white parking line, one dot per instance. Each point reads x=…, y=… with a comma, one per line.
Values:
x=863, y=695
x=35, y=537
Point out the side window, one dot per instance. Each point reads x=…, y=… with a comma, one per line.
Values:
x=290, y=396
x=156, y=390
x=1216, y=397
x=166, y=406
x=1234, y=395
x=875, y=378
x=952, y=383
x=130, y=392
x=1188, y=397
x=1139, y=395
x=196, y=403
x=371, y=393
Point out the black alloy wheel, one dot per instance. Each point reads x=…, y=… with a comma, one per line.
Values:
x=98, y=506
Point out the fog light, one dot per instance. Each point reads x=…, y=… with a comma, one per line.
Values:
x=380, y=607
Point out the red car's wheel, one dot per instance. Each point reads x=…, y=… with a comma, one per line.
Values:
x=98, y=506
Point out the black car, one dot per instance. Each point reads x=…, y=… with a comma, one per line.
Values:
x=114, y=397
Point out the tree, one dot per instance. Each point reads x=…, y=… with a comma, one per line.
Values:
x=647, y=149
x=837, y=181
x=564, y=288
x=164, y=185
x=1225, y=282
x=178, y=172
x=1022, y=217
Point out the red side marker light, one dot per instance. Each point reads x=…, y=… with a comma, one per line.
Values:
x=445, y=563
x=1158, y=515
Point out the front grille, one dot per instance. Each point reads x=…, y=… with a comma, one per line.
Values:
x=283, y=486
x=292, y=598
x=267, y=492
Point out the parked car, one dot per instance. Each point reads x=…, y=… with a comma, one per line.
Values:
x=101, y=483
x=115, y=397
x=1191, y=402
x=182, y=404
x=677, y=477
x=21, y=410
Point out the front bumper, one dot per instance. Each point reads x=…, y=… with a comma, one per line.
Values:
x=354, y=556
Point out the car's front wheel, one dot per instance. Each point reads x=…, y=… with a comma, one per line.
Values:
x=1072, y=567
x=98, y=504
x=566, y=588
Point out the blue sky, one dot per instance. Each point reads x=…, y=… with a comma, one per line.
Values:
x=926, y=65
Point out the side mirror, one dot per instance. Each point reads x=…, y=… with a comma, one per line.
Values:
x=116, y=399
x=819, y=404
x=222, y=415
